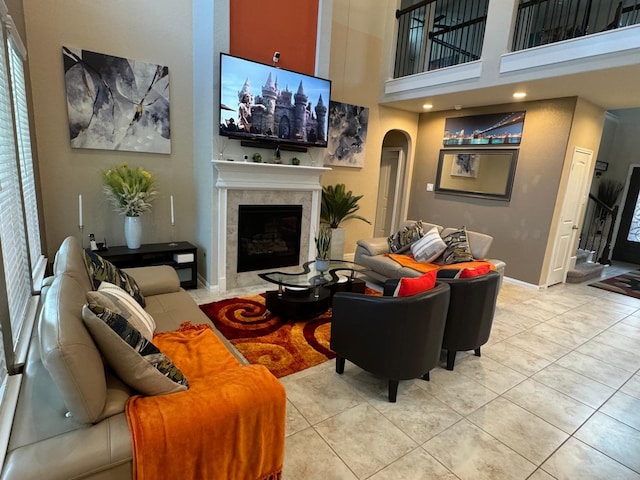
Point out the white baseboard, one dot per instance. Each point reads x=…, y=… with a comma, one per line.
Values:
x=523, y=284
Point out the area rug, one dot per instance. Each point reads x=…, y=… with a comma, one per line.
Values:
x=283, y=347
x=626, y=284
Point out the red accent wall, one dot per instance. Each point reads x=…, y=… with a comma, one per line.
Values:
x=260, y=28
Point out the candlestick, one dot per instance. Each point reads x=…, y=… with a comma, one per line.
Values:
x=173, y=218
x=80, y=222
x=173, y=225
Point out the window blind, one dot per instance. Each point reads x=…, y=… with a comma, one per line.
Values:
x=23, y=138
x=12, y=226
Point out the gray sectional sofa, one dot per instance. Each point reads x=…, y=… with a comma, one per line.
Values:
x=372, y=253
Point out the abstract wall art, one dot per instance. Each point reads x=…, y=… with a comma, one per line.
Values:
x=115, y=103
x=347, y=135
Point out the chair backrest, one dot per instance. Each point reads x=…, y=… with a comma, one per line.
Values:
x=471, y=309
x=394, y=337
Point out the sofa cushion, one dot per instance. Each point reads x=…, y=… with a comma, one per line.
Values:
x=118, y=300
x=136, y=360
x=401, y=240
x=429, y=247
x=458, y=249
x=102, y=270
x=404, y=287
x=467, y=272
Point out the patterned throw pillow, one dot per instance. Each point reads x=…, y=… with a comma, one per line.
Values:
x=136, y=360
x=429, y=247
x=101, y=270
x=401, y=241
x=458, y=249
x=119, y=301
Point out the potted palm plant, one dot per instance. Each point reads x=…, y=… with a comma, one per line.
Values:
x=338, y=204
x=323, y=247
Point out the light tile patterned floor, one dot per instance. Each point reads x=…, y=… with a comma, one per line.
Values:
x=556, y=394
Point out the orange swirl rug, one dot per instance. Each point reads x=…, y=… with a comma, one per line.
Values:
x=283, y=347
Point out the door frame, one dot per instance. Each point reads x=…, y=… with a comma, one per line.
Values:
x=399, y=203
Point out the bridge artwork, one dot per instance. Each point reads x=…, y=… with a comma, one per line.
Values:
x=491, y=129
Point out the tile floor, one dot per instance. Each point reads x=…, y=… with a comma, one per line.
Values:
x=556, y=394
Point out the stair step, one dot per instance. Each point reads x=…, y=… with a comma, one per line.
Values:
x=583, y=256
x=584, y=271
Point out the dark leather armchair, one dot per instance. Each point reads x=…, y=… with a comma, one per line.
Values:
x=397, y=338
x=470, y=315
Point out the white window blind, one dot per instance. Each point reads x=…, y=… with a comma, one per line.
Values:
x=17, y=53
x=12, y=226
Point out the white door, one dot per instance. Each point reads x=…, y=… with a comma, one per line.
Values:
x=388, y=192
x=565, y=245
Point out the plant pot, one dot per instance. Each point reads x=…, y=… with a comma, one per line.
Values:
x=133, y=232
x=322, y=265
x=337, y=244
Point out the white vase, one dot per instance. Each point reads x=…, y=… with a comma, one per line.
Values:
x=133, y=232
x=337, y=243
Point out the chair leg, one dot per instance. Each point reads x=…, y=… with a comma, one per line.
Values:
x=340, y=365
x=477, y=352
x=393, y=390
x=451, y=359
x=426, y=377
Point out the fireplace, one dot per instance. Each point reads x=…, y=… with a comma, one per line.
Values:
x=268, y=236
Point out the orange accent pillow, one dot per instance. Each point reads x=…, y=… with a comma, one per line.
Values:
x=474, y=271
x=411, y=286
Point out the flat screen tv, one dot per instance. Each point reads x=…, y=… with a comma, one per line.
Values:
x=267, y=104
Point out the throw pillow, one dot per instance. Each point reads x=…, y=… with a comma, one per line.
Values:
x=474, y=271
x=401, y=241
x=101, y=270
x=429, y=247
x=136, y=360
x=411, y=286
x=119, y=301
x=458, y=249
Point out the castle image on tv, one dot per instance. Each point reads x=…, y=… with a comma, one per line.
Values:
x=277, y=114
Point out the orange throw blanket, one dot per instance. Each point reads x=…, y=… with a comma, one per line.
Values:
x=409, y=261
x=229, y=424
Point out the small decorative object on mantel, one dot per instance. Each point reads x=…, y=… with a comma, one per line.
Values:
x=276, y=156
x=323, y=246
x=257, y=158
x=131, y=191
x=295, y=161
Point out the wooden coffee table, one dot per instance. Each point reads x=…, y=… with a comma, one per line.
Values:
x=308, y=293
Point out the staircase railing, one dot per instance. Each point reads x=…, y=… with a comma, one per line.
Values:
x=540, y=22
x=597, y=230
x=434, y=34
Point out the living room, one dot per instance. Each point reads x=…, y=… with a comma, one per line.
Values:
x=352, y=47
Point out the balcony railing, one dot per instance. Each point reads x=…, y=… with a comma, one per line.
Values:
x=540, y=22
x=434, y=34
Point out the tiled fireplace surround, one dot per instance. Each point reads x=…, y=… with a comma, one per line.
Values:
x=245, y=183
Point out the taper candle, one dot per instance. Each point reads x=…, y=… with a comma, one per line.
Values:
x=80, y=223
x=173, y=218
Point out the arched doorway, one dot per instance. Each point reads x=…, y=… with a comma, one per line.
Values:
x=391, y=205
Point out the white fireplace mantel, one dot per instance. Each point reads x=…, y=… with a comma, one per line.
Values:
x=263, y=177
x=267, y=176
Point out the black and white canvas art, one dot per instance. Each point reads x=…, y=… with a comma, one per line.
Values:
x=115, y=103
x=347, y=135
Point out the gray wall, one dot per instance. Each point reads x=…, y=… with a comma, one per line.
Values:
x=520, y=227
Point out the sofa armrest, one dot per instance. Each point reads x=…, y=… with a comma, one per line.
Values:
x=375, y=246
x=155, y=280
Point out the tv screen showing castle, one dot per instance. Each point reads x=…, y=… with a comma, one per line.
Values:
x=262, y=102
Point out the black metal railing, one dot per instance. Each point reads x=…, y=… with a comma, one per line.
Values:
x=597, y=230
x=434, y=34
x=540, y=22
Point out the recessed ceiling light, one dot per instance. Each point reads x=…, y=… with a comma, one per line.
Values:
x=519, y=95
x=427, y=106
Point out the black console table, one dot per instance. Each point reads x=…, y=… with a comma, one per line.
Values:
x=182, y=256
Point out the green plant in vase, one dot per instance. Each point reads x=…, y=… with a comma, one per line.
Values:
x=257, y=158
x=323, y=247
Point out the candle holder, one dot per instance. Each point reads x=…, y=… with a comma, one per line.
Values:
x=172, y=243
x=81, y=230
